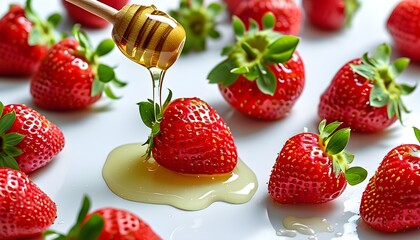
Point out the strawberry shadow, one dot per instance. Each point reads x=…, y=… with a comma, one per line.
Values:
x=309, y=31
x=364, y=231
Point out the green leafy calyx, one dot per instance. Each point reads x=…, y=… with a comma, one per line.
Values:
x=199, y=22
x=386, y=91
x=43, y=32
x=350, y=8
x=254, y=51
x=9, y=140
x=334, y=141
x=104, y=74
x=151, y=115
x=90, y=229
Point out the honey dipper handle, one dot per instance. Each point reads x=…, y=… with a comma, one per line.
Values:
x=98, y=8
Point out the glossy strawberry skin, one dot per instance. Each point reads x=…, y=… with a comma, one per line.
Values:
x=87, y=19
x=325, y=14
x=303, y=173
x=194, y=139
x=25, y=209
x=43, y=139
x=245, y=96
x=17, y=58
x=63, y=80
x=391, y=200
x=403, y=26
x=287, y=13
x=122, y=224
x=347, y=100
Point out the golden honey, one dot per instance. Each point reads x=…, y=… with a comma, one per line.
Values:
x=148, y=36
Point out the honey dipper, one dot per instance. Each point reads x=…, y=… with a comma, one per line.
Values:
x=144, y=34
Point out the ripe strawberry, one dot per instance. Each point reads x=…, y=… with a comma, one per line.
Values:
x=71, y=76
x=25, y=209
x=391, y=200
x=107, y=224
x=313, y=168
x=403, y=26
x=24, y=40
x=189, y=136
x=364, y=95
x=27, y=137
x=199, y=22
x=287, y=13
x=263, y=75
x=87, y=19
x=330, y=14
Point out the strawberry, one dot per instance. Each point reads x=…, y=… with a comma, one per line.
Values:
x=199, y=22
x=403, y=26
x=262, y=75
x=313, y=168
x=189, y=136
x=87, y=19
x=287, y=13
x=71, y=76
x=391, y=200
x=364, y=94
x=27, y=137
x=106, y=224
x=24, y=40
x=330, y=14
x=25, y=209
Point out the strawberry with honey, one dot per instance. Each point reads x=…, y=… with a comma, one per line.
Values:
x=314, y=168
x=262, y=75
x=364, y=94
x=391, y=200
x=28, y=141
x=71, y=76
x=189, y=136
x=24, y=40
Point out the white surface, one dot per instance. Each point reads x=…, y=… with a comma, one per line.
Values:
x=92, y=133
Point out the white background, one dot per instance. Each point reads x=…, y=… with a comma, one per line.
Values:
x=92, y=133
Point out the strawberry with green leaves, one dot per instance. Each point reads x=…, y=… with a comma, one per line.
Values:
x=28, y=141
x=199, y=22
x=288, y=13
x=25, y=211
x=262, y=75
x=314, y=168
x=330, y=14
x=364, y=94
x=403, y=25
x=391, y=200
x=189, y=136
x=24, y=40
x=106, y=224
x=71, y=76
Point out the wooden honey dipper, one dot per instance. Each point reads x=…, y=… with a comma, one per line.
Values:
x=144, y=34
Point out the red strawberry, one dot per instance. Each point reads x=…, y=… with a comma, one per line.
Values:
x=24, y=40
x=287, y=13
x=189, y=136
x=71, y=77
x=25, y=209
x=313, y=168
x=107, y=224
x=391, y=200
x=364, y=95
x=403, y=25
x=330, y=14
x=262, y=75
x=88, y=19
x=28, y=137
x=199, y=22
